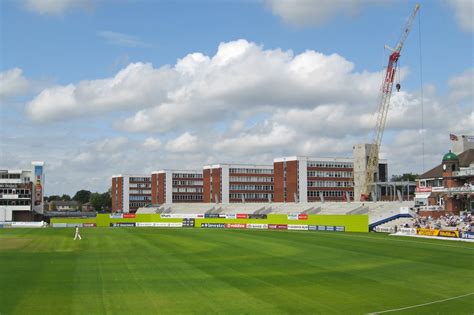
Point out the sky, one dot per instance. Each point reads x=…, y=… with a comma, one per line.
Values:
x=102, y=87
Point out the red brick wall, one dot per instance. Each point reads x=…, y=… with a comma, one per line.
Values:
x=206, y=186
x=216, y=185
x=291, y=180
x=161, y=188
x=154, y=189
x=117, y=193
x=278, y=182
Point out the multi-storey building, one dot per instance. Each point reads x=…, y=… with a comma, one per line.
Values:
x=171, y=186
x=309, y=179
x=130, y=192
x=225, y=183
x=449, y=186
x=21, y=193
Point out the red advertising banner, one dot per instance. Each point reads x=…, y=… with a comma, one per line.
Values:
x=88, y=225
x=235, y=226
x=302, y=216
x=129, y=215
x=241, y=216
x=278, y=226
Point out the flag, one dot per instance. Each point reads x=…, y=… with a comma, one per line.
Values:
x=453, y=137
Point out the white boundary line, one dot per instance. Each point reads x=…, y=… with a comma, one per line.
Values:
x=424, y=304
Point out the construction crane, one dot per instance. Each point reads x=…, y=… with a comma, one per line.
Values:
x=385, y=94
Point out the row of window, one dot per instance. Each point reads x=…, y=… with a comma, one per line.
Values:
x=187, y=197
x=330, y=174
x=8, y=191
x=137, y=204
x=187, y=183
x=140, y=198
x=140, y=186
x=250, y=179
x=15, y=202
x=140, y=191
x=250, y=187
x=321, y=183
x=140, y=179
x=250, y=196
x=187, y=189
x=330, y=164
x=186, y=175
x=329, y=193
x=250, y=171
x=9, y=176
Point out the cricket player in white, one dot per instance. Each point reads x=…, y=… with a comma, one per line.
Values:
x=77, y=234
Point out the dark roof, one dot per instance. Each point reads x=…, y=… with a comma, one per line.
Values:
x=465, y=159
x=61, y=203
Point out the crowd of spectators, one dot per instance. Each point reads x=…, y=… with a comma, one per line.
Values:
x=463, y=222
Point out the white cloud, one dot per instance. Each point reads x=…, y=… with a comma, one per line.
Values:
x=462, y=86
x=121, y=39
x=111, y=145
x=464, y=12
x=151, y=143
x=314, y=12
x=184, y=143
x=56, y=7
x=240, y=78
x=137, y=86
x=13, y=83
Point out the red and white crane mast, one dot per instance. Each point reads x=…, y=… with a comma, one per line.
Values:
x=385, y=94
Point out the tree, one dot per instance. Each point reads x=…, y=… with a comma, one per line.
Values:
x=52, y=206
x=53, y=197
x=96, y=201
x=101, y=202
x=65, y=197
x=405, y=177
x=82, y=196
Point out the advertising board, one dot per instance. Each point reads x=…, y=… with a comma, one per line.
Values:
x=293, y=216
x=144, y=224
x=302, y=216
x=86, y=225
x=427, y=232
x=230, y=216
x=241, y=216
x=468, y=235
x=278, y=226
x=189, y=223
x=116, y=216
x=213, y=225
x=235, y=226
x=257, y=226
x=297, y=227
x=330, y=228
x=129, y=215
x=59, y=225
x=340, y=229
x=448, y=233
x=181, y=216
x=123, y=224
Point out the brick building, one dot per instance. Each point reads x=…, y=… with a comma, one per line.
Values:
x=310, y=179
x=130, y=192
x=171, y=186
x=449, y=186
x=228, y=183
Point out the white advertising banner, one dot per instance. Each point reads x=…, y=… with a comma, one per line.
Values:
x=257, y=226
x=298, y=227
x=181, y=216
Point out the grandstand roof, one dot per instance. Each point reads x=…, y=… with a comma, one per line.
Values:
x=465, y=159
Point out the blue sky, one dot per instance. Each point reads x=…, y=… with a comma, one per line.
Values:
x=54, y=108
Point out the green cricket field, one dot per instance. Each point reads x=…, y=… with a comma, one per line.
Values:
x=204, y=271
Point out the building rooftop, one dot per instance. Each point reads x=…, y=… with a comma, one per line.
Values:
x=465, y=159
